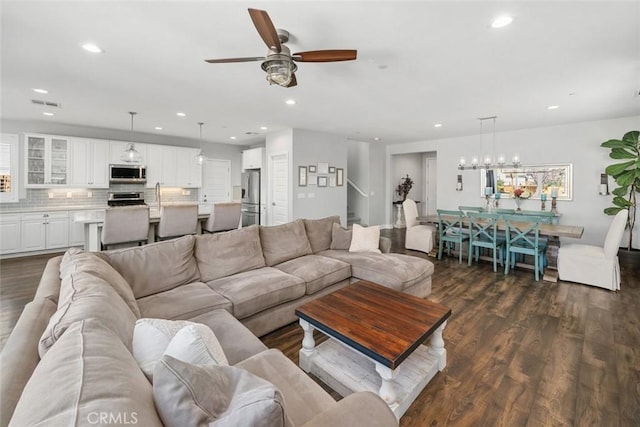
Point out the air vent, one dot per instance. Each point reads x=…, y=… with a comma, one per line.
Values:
x=251, y=133
x=46, y=103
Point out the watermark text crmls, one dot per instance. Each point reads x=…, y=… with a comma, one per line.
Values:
x=106, y=418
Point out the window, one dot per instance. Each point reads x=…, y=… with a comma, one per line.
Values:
x=9, y=182
x=541, y=179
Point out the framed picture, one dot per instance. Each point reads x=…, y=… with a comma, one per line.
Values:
x=312, y=169
x=323, y=167
x=322, y=181
x=302, y=176
x=332, y=169
x=339, y=177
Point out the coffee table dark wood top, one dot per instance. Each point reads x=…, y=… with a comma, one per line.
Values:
x=384, y=324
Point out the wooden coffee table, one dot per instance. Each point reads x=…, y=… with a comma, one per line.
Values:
x=375, y=342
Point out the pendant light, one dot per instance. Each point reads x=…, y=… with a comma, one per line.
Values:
x=130, y=154
x=200, y=157
x=489, y=160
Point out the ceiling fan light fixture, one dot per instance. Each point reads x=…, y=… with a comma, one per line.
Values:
x=279, y=69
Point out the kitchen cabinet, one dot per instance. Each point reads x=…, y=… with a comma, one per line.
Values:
x=173, y=167
x=46, y=161
x=9, y=233
x=189, y=171
x=89, y=167
x=116, y=148
x=44, y=230
x=252, y=159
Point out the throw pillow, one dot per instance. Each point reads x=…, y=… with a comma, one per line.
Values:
x=365, y=239
x=340, y=237
x=153, y=337
x=201, y=395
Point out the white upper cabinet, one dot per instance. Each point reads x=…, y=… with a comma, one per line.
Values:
x=46, y=161
x=89, y=167
x=116, y=148
x=189, y=171
x=173, y=167
x=252, y=159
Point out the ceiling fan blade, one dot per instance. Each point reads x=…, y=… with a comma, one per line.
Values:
x=266, y=29
x=326, y=55
x=293, y=82
x=222, y=61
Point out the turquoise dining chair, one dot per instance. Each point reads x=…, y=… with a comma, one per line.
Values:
x=505, y=211
x=466, y=209
x=483, y=233
x=523, y=238
x=452, y=231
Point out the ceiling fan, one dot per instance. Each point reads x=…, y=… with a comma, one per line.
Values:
x=279, y=62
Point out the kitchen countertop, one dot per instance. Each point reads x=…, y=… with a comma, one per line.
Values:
x=97, y=216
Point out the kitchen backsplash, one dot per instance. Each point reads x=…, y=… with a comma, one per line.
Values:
x=37, y=197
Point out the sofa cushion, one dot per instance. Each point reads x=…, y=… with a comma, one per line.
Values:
x=317, y=271
x=237, y=341
x=365, y=239
x=340, y=237
x=319, y=232
x=198, y=345
x=200, y=395
x=223, y=254
x=152, y=338
x=395, y=271
x=89, y=373
x=182, y=302
x=78, y=266
x=253, y=291
x=303, y=396
x=281, y=243
x=93, y=298
x=156, y=267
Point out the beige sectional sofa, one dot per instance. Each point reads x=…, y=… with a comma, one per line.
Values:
x=75, y=336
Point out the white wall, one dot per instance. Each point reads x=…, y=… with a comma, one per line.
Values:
x=577, y=143
x=358, y=157
x=377, y=195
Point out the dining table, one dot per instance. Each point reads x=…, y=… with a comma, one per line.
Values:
x=552, y=231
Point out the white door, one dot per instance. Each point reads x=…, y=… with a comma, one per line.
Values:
x=430, y=186
x=216, y=181
x=278, y=189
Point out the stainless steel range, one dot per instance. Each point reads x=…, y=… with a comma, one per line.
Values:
x=128, y=198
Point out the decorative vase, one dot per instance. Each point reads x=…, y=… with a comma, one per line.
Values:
x=518, y=201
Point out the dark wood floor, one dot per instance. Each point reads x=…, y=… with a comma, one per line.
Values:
x=520, y=352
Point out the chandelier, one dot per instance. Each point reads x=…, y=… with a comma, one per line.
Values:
x=489, y=161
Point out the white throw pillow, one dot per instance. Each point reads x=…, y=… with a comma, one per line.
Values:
x=198, y=345
x=152, y=337
x=365, y=239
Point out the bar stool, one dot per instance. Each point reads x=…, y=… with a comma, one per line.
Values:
x=177, y=221
x=223, y=217
x=125, y=224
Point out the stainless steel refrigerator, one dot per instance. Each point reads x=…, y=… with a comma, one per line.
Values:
x=250, y=198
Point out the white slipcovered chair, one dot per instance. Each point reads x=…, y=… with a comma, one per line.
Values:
x=177, y=221
x=418, y=237
x=223, y=217
x=125, y=224
x=593, y=265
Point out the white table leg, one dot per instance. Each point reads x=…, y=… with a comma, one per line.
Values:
x=437, y=346
x=387, y=391
x=308, y=349
x=92, y=231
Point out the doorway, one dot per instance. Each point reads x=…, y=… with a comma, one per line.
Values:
x=216, y=181
x=278, y=203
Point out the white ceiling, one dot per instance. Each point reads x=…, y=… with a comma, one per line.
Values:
x=419, y=63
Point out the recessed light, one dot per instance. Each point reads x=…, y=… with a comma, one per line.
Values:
x=263, y=128
x=46, y=113
x=553, y=107
x=40, y=90
x=91, y=47
x=181, y=114
x=232, y=137
x=290, y=102
x=377, y=138
x=501, y=21
x=437, y=125
x=157, y=128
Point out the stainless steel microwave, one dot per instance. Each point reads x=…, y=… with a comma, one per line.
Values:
x=132, y=174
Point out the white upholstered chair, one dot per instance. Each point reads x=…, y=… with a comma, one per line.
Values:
x=418, y=237
x=177, y=220
x=224, y=217
x=125, y=224
x=593, y=265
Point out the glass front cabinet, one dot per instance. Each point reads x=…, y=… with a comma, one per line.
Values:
x=47, y=161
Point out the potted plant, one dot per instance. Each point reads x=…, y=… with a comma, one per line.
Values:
x=404, y=187
x=626, y=176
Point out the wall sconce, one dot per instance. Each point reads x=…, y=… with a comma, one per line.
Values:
x=459, y=183
x=604, y=184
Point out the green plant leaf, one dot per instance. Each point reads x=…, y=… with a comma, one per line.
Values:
x=618, y=168
x=621, y=201
x=626, y=178
x=612, y=211
x=631, y=137
x=620, y=191
x=622, y=153
x=615, y=143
